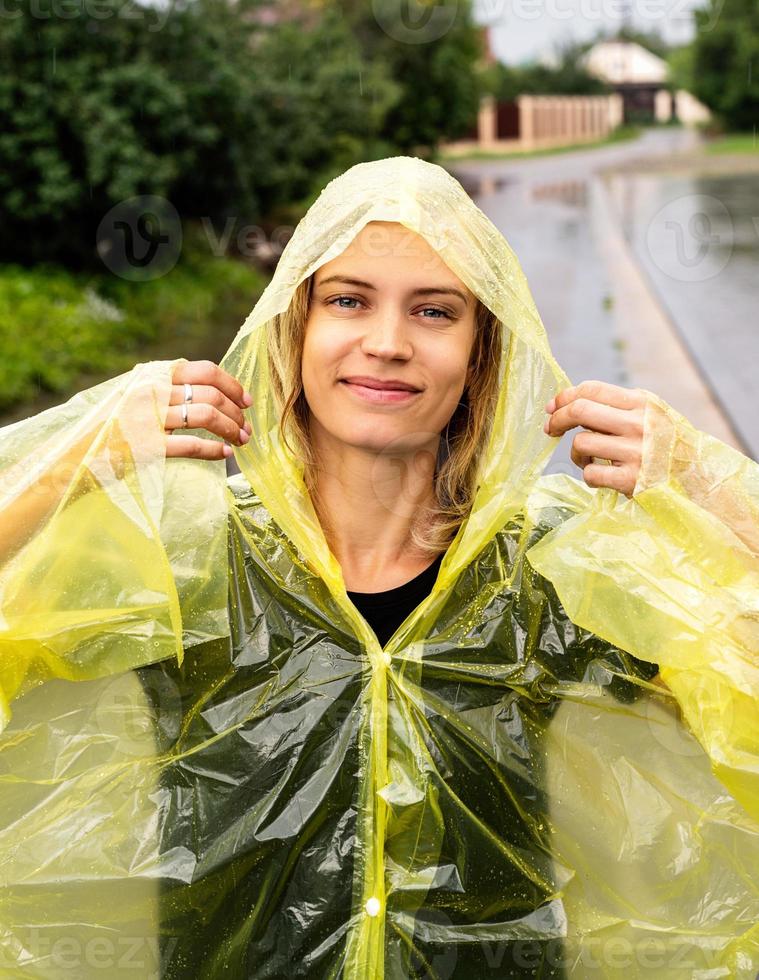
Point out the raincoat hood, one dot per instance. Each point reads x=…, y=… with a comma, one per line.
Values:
x=204, y=749
x=429, y=201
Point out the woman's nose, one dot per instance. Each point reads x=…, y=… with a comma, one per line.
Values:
x=387, y=336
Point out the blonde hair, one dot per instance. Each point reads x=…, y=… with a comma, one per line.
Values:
x=462, y=443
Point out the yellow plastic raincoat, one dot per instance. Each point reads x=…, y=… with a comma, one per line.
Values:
x=209, y=767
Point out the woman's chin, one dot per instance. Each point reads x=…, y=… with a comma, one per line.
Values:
x=394, y=441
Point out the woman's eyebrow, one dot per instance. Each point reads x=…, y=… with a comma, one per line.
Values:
x=424, y=291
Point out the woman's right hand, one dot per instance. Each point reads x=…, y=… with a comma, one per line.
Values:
x=218, y=401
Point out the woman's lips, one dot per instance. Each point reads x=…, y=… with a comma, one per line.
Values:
x=380, y=396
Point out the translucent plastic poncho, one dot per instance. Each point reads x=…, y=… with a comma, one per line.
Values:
x=209, y=767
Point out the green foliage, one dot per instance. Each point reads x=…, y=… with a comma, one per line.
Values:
x=445, y=97
x=680, y=67
x=566, y=77
x=224, y=113
x=205, y=105
x=432, y=52
x=725, y=61
x=56, y=326
x=88, y=117
x=323, y=106
x=734, y=143
x=651, y=40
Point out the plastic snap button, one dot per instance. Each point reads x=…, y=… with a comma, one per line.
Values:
x=372, y=906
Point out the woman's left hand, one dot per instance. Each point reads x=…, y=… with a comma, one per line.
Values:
x=613, y=417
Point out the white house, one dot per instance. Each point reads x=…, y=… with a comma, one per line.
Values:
x=640, y=77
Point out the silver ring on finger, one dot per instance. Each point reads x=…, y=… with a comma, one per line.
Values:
x=184, y=415
x=187, y=392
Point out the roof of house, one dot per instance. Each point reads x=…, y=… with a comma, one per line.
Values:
x=624, y=62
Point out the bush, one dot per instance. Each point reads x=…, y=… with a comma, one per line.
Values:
x=216, y=112
x=57, y=327
x=725, y=47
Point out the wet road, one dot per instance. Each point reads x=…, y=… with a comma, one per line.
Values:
x=697, y=240
x=605, y=237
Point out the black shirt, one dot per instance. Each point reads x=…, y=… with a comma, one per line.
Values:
x=385, y=611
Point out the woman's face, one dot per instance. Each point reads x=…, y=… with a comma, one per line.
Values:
x=386, y=310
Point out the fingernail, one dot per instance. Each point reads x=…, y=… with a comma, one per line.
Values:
x=247, y=398
x=248, y=428
x=227, y=450
x=244, y=436
x=545, y=426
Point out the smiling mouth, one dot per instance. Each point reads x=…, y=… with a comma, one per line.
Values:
x=380, y=396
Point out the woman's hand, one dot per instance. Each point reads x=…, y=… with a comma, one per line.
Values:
x=218, y=401
x=613, y=418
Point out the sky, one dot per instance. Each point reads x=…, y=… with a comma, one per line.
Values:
x=526, y=30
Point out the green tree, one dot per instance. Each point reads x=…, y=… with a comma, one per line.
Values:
x=566, y=76
x=433, y=51
x=200, y=103
x=237, y=108
x=725, y=61
x=322, y=106
x=87, y=118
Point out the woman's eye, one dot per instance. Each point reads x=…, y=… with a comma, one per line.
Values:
x=341, y=301
x=351, y=299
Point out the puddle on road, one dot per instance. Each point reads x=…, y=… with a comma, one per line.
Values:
x=571, y=192
x=697, y=239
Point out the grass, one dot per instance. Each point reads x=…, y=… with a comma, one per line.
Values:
x=620, y=134
x=734, y=143
x=62, y=331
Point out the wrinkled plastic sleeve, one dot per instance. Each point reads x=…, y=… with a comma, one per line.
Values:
x=672, y=575
x=112, y=556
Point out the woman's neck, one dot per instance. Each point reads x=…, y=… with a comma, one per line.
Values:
x=367, y=505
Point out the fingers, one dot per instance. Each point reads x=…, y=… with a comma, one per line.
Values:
x=205, y=416
x=218, y=401
x=623, y=454
x=206, y=394
x=621, y=478
x=196, y=448
x=614, y=415
x=618, y=449
x=601, y=391
x=594, y=415
x=209, y=373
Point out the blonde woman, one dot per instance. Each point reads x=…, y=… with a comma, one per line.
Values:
x=383, y=704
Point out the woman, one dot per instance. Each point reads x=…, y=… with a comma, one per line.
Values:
x=483, y=783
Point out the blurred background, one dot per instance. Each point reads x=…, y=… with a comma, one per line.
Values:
x=155, y=158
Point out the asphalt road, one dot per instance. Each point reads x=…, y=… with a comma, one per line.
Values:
x=566, y=218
